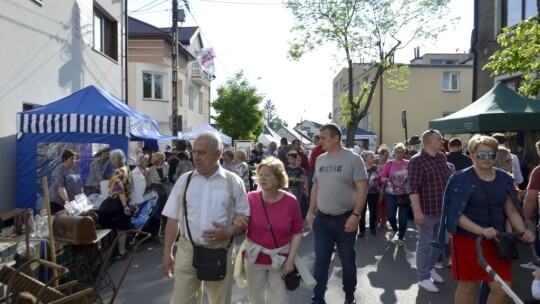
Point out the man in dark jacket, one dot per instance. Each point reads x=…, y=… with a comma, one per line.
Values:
x=456, y=157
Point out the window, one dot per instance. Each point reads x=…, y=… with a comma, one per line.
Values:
x=105, y=34
x=442, y=61
x=513, y=83
x=335, y=89
x=28, y=106
x=152, y=85
x=201, y=104
x=191, y=97
x=450, y=81
x=513, y=11
x=356, y=85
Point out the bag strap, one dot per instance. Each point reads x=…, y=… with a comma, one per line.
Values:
x=230, y=207
x=184, y=203
x=268, y=221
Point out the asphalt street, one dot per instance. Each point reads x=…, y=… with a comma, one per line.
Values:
x=386, y=274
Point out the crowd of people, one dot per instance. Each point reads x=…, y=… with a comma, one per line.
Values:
x=208, y=194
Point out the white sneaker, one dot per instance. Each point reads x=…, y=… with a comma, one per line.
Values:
x=436, y=277
x=529, y=265
x=428, y=285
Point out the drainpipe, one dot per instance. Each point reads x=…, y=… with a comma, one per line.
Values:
x=474, y=51
x=381, y=109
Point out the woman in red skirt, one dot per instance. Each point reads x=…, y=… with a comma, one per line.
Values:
x=477, y=201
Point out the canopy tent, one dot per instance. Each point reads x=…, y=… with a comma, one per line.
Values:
x=205, y=127
x=268, y=136
x=362, y=135
x=501, y=109
x=91, y=115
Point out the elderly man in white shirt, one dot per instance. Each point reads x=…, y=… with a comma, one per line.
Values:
x=207, y=201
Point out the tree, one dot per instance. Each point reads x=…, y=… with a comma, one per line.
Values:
x=366, y=31
x=237, y=108
x=520, y=53
x=271, y=118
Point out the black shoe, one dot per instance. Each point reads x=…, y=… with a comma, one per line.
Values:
x=373, y=231
x=349, y=298
x=360, y=234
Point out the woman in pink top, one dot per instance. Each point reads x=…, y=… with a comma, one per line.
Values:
x=394, y=179
x=275, y=230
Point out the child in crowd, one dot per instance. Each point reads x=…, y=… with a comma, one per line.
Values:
x=297, y=178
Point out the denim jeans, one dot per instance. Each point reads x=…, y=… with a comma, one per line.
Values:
x=329, y=231
x=392, y=209
x=426, y=255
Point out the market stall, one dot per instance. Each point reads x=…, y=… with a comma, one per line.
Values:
x=499, y=110
x=89, y=116
x=205, y=127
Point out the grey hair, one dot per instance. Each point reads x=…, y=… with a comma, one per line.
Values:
x=367, y=153
x=117, y=156
x=214, y=139
x=140, y=159
x=157, y=156
x=229, y=153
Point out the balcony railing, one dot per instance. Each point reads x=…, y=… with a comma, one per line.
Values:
x=199, y=76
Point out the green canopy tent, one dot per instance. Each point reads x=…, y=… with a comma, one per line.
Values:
x=499, y=110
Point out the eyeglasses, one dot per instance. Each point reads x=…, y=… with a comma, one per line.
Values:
x=486, y=155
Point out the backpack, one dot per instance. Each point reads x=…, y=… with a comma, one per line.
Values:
x=184, y=165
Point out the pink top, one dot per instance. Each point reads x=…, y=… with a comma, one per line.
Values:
x=285, y=217
x=394, y=176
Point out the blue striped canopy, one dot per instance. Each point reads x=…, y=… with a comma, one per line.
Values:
x=91, y=115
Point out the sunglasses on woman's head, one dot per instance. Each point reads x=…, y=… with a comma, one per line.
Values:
x=486, y=155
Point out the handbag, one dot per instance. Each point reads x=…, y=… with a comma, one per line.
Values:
x=292, y=280
x=506, y=247
x=211, y=263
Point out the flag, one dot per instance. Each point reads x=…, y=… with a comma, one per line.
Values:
x=206, y=60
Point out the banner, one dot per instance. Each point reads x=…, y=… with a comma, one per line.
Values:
x=206, y=60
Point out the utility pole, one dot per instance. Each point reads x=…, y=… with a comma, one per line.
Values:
x=177, y=16
x=174, y=33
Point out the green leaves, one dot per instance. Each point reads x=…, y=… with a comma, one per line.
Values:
x=237, y=109
x=366, y=31
x=520, y=54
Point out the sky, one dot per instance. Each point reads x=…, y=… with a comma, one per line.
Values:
x=253, y=36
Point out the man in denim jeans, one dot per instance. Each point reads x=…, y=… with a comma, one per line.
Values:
x=337, y=198
x=428, y=173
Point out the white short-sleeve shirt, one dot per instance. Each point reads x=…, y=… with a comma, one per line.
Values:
x=207, y=202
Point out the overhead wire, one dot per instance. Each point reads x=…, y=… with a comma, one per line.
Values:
x=242, y=3
x=205, y=38
x=142, y=9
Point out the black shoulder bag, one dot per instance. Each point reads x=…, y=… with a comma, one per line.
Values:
x=292, y=280
x=211, y=263
x=506, y=247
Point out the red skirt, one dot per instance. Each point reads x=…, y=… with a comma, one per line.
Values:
x=465, y=265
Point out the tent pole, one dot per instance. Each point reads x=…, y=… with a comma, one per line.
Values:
x=49, y=224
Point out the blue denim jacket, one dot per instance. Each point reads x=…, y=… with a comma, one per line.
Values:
x=458, y=190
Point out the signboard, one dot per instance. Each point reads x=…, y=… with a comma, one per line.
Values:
x=243, y=144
